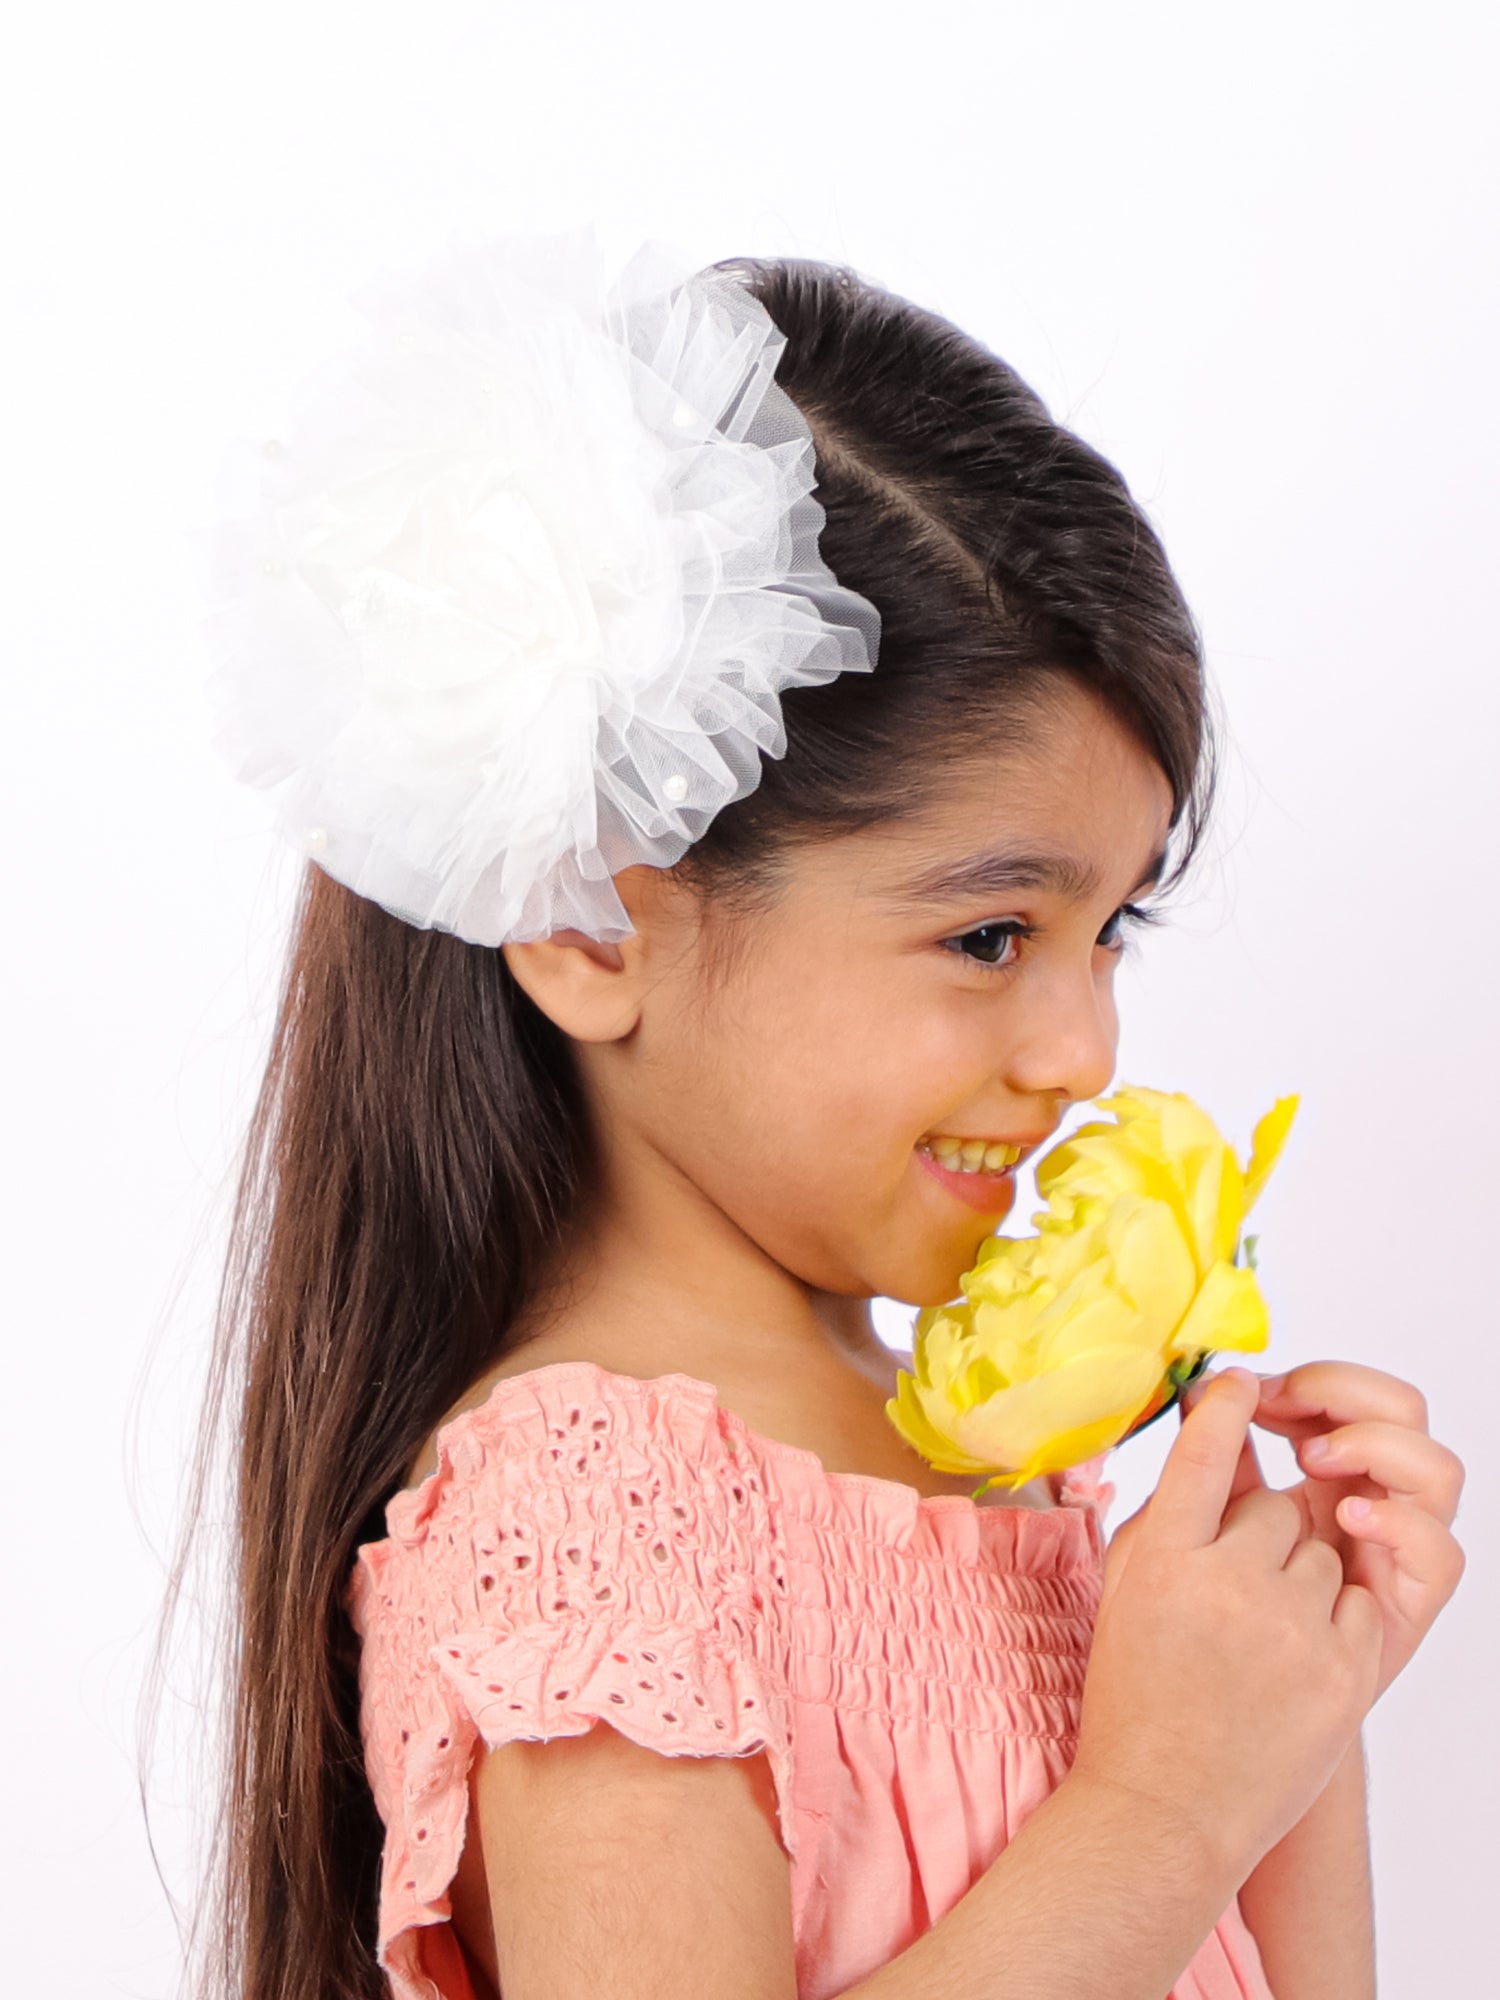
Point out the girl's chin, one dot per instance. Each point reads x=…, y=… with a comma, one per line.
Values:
x=938, y=1257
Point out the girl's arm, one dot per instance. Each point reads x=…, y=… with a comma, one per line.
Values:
x=1308, y=1901
x=613, y=1868
x=1097, y=1893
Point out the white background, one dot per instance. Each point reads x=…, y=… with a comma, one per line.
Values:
x=1249, y=252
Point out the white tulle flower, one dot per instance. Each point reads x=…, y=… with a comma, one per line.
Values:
x=521, y=585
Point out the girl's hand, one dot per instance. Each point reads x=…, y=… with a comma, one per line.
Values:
x=1232, y=1661
x=1374, y=1427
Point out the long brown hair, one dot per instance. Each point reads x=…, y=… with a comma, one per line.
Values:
x=421, y=1141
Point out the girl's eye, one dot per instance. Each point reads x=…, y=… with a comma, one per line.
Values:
x=993, y=944
x=1111, y=937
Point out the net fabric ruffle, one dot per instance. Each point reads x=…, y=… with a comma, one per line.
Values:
x=511, y=604
x=575, y=1557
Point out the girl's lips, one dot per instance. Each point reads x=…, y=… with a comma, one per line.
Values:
x=991, y=1194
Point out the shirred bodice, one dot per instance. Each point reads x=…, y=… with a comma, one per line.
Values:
x=595, y=1546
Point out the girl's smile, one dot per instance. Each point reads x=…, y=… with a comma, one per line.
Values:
x=985, y=1189
x=977, y=1172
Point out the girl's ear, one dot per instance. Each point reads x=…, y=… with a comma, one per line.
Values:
x=594, y=991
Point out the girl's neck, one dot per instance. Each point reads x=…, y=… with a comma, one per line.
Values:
x=651, y=1287
x=795, y=1363
x=660, y=1281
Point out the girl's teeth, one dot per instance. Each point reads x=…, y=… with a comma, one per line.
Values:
x=972, y=1156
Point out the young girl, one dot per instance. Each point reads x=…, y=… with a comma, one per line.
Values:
x=599, y=1633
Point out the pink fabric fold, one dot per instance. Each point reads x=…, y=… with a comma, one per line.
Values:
x=594, y=1546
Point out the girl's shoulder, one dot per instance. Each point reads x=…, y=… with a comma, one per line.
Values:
x=569, y=1506
x=559, y=1426
x=565, y=1433
x=565, y=1473
x=537, y=1376
x=830, y=1418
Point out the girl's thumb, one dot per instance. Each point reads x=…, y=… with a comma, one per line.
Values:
x=1195, y=1391
x=1247, y=1472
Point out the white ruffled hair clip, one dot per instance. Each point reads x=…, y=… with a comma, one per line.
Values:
x=522, y=585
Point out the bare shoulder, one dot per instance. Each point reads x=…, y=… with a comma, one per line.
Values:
x=538, y=1351
x=830, y=1403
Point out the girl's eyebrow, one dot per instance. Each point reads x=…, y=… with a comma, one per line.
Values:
x=1002, y=870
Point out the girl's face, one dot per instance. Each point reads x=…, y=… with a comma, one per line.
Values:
x=948, y=979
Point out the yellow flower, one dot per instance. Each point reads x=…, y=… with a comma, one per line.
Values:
x=1065, y=1340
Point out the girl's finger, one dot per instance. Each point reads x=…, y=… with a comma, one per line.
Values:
x=1247, y=1471
x=1425, y=1554
x=1407, y=1463
x=1318, y=1394
x=1187, y=1508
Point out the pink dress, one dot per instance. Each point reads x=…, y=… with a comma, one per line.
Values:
x=593, y=1545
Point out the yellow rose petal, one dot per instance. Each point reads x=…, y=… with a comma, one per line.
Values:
x=1266, y=1144
x=906, y=1412
x=1229, y=1312
x=1104, y=1386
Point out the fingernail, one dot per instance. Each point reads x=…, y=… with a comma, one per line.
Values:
x=1244, y=1375
x=1272, y=1385
x=1199, y=1387
x=1316, y=1448
x=1356, y=1507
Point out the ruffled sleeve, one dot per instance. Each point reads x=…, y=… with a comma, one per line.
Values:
x=589, y=1548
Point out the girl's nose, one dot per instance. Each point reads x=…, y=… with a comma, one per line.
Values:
x=1068, y=1043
